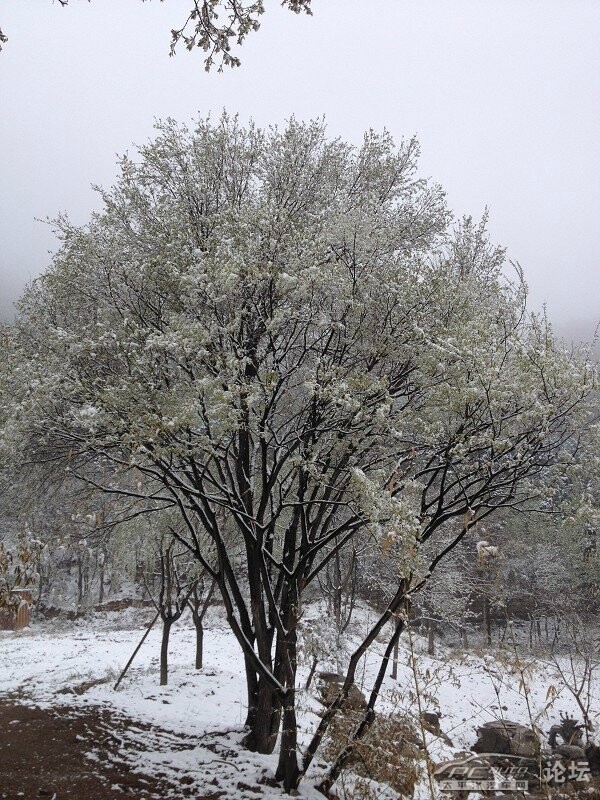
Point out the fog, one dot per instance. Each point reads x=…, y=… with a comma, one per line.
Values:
x=504, y=97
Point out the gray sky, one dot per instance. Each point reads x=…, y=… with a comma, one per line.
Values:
x=504, y=96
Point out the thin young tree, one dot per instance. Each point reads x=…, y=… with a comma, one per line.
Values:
x=172, y=595
x=199, y=602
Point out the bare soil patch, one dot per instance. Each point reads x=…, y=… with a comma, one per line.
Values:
x=72, y=754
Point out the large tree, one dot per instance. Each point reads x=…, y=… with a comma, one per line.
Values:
x=278, y=337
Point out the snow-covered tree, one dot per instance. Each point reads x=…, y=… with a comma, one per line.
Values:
x=215, y=26
x=277, y=336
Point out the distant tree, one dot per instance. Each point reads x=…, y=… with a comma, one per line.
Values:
x=215, y=26
x=278, y=337
x=199, y=602
x=172, y=576
x=171, y=587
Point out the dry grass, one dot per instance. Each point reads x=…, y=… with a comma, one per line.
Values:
x=387, y=756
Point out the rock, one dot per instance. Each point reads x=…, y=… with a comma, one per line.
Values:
x=431, y=718
x=592, y=753
x=503, y=736
x=330, y=684
x=431, y=723
x=570, y=752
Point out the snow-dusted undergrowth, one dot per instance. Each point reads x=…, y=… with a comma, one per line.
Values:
x=197, y=718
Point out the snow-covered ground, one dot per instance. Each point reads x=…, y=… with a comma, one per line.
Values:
x=197, y=718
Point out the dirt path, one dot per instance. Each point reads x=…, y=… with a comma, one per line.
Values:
x=62, y=754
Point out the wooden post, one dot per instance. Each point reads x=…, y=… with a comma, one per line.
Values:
x=135, y=652
x=22, y=617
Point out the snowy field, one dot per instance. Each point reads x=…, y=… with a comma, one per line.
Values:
x=197, y=718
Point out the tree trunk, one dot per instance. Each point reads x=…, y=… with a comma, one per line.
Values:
x=264, y=716
x=164, y=652
x=312, y=671
x=487, y=620
x=198, y=610
x=101, y=589
x=86, y=576
x=393, y=609
x=395, y=663
x=251, y=691
x=286, y=662
x=199, y=643
x=430, y=640
x=79, y=581
x=287, y=769
x=369, y=715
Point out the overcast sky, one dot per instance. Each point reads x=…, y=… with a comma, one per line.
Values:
x=504, y=96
